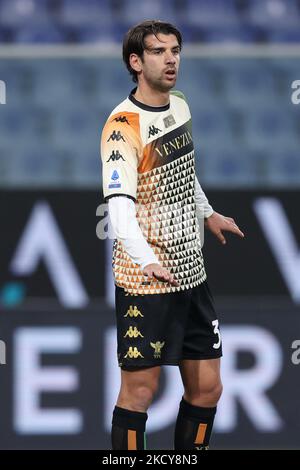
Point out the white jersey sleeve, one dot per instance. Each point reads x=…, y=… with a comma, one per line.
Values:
x=122, y=214
x=203, y=208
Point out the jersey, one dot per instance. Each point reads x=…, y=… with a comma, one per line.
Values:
x=148, y=155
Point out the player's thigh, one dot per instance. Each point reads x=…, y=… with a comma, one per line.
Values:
x=134, y=379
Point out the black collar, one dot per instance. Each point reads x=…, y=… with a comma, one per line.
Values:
x=146, y=107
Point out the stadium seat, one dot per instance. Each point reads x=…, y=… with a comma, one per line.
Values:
x=77, y=128
x=273, y=13
x=196, y=78
x=86, y=13
x=277, y=35
x=18, y=76
x=248, y=84
x=212, y=12
x=283, y=167
x=115, y=83
x=6, y=34
x=134, y=11
x=41, y=34
x=93, y=34
x=210, y=124
x=226, y=166
x=269, y=127
x=19, y=12
x=87, y=168
x=231, y=35
x=51, y=83
x=8, y=168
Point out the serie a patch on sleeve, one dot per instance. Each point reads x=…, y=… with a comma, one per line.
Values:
x=115, y=179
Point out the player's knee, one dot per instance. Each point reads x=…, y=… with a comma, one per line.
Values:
x=207, y=393
x=215, y=392
x=138, y=396
x=142, y=396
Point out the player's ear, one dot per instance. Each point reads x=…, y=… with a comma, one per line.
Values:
x=135, y=62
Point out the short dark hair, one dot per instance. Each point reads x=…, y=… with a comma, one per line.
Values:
x=134, y=40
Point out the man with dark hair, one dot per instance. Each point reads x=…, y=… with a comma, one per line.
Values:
x=164, y=309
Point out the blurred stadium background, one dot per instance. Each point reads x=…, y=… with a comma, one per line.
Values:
x=61, y=63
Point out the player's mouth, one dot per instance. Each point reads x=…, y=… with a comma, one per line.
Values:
x=171, y=74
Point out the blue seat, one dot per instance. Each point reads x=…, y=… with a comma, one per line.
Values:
x=18, y=12
x=227, y=166
x=94, y=34
x=17, y=74
x=6, y=34
x=198, y=80
x=134, y=11
x=283, y=35
x=76, y=127
x=248, y=84
x=269, y=128
x=13, y=122
x=8, y=166
x=212, y=124
x=273, y=13
x=283, y=167
x=51, y=83
x=37, y=165
x=232, y=35
x=212, y=12
x=46, y=33
x=114, y=83
x=86, y=13
x=87, y=168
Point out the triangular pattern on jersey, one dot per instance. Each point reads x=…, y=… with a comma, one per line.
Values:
x=174, y=237
x=158, y=172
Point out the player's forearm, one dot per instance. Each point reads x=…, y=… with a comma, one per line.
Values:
x=125, y=225
x=203, y=208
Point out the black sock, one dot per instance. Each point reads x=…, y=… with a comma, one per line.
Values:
x=128, y=429
x=193, y=427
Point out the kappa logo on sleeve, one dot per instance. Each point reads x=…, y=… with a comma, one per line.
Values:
x=115, y=181
x=121, y=119
x=116, y=136
x=115, y=155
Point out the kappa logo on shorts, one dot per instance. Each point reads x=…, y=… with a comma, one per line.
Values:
x=133, y=332
x=133, y=353
x=133, y=312
x=157, y=348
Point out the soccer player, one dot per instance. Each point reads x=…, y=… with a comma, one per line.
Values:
x=164, y=308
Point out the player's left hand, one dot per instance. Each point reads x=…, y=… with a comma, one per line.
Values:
x=217, y=223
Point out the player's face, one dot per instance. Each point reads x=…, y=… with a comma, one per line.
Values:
x=160, y=62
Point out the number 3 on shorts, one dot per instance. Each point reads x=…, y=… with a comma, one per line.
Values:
x=215, y=324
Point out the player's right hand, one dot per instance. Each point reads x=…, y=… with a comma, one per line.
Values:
x=160, y=273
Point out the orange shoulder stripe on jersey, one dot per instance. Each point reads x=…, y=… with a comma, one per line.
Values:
x=126, y=123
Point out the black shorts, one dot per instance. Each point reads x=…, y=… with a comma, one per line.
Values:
x=163, y=329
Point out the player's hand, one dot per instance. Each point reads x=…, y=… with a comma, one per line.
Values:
x=217, y=223
x=160, y=273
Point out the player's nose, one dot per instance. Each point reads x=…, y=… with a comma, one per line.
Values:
x=170, y=59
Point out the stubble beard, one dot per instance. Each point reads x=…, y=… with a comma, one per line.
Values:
x=160, y=86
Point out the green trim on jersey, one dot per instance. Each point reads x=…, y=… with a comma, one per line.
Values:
x=179, y=94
